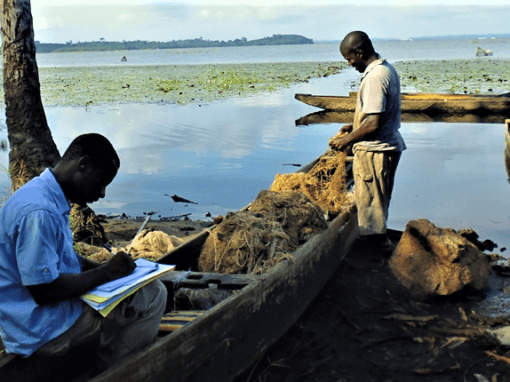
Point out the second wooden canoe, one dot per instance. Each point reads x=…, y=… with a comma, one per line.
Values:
x=430, y=103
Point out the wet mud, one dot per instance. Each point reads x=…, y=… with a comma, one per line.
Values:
x=365, y=327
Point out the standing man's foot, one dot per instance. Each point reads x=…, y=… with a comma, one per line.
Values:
x=382, y=242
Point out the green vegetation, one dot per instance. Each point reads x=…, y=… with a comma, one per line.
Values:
x=182, y=84
x=239, y=79
x=102, y=45
x=477, y=76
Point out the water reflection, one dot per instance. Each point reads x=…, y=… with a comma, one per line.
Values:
x=347, y=117
x=453, y=175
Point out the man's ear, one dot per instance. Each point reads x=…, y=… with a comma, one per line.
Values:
x=84, y=164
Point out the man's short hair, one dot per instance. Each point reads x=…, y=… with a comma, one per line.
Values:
x=357, y=40
x=95, y=146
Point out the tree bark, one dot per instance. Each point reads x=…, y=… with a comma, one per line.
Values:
x=31, y=143
x=30, y=139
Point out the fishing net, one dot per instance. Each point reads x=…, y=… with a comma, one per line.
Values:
x=86, y=226
x=151, y=244
x=255, y=240
x=92, y=252
x=324, y=184
x=299, y=217
x=148, y=244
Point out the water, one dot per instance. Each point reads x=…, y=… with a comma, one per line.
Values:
x=398, y=50
x=222, y=154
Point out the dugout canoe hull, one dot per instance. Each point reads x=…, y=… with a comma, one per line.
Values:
x=228, y=338
x=426, y=103
x=231, y=336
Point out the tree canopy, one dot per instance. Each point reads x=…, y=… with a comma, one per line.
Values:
x=102, y=45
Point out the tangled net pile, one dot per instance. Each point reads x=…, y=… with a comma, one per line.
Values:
x=257, y=239
x=324, y=183
x=148, y=244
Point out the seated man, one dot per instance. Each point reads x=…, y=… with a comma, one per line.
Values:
x=41, y=277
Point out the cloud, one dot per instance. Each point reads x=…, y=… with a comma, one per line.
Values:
x=167, y=22
x=269, y=3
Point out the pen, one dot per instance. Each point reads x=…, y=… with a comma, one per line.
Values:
x=109, y=248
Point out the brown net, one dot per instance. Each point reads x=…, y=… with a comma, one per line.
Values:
x=148, y=244
x=299, y=217
x=324, y=184
x=256, y=240
x=151, y=244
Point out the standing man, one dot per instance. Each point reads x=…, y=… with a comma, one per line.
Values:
x=41, y=276
x=377, y=143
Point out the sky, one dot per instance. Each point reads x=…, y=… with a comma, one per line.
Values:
x=60, y=21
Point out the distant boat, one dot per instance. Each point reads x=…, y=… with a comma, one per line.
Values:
x=480, y=52
x=123, y=59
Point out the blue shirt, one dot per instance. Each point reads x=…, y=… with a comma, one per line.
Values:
x=36, y=246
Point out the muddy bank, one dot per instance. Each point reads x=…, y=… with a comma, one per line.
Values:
x=364, y=326
x=121, y=231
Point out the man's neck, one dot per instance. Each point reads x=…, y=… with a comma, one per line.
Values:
x=372, y=58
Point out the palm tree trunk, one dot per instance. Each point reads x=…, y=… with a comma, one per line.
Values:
x=31, y=143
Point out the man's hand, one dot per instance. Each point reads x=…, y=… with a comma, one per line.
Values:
x=364, y=132
x=340, y=140
x=345, y=129
x=73, y=285
x=119, y=266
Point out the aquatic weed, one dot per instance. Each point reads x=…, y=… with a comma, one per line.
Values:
x=182, y=84
x=456, y=76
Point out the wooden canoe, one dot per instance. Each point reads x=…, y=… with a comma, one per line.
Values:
x=427, y=103
x=229, y=337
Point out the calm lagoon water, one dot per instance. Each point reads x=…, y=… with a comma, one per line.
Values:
x=220, y=155
x=396, y=50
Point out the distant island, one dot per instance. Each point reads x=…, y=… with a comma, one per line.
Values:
x=102, y=45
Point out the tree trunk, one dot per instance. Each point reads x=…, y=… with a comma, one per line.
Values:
x=32, y=146
x=31, y=143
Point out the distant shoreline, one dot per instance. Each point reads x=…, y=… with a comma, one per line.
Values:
x=102, y=45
